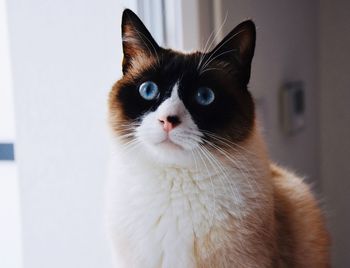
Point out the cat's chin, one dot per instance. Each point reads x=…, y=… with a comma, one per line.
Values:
x=169, y=145
x=169, y=153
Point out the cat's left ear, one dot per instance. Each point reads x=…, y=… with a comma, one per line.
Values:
x=238, y=48
x=137, y=40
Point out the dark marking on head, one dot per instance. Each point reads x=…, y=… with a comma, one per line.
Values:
x=225, y=70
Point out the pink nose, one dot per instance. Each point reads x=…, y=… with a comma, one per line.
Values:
x=169, y=122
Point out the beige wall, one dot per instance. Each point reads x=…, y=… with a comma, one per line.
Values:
x=335, y=122
x=287, y=33
x=309, y=41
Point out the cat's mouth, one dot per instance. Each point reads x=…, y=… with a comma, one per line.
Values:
x=168, y=143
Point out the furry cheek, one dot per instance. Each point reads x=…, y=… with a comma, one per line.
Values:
x=150, y=132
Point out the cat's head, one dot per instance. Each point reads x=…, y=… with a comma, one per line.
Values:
x=172, y=105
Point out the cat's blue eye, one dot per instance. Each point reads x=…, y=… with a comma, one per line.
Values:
x=204, y=96
x=149, y=90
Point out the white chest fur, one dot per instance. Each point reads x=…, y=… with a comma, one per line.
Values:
x=155, y=213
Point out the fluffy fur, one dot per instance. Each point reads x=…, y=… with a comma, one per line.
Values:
x=203, y=194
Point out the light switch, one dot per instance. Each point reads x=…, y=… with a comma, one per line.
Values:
x=292, y=107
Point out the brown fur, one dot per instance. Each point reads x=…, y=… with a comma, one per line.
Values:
x=302, y=239
x=291, y=235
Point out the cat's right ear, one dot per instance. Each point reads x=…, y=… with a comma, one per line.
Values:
x=238, y=48
x=137, y=40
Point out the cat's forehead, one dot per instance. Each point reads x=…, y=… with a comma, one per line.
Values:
x=170, y=67
x=167, y=66
x=181, y=57
x=179, y=63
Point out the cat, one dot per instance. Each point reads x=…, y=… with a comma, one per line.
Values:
x=191, y=183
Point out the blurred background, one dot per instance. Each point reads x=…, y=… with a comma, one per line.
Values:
x=58, y=60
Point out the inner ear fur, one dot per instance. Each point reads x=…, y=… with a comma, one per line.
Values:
x=137, y=40
x=238, y=48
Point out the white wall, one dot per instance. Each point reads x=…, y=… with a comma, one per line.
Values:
x=7, y=126
x=286, y=50
x=10, y=225
x=335, y=122
x=66, y=56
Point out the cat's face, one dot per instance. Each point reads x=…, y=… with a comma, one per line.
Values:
x=173, y=105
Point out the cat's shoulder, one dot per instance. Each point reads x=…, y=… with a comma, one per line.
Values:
x=290, y=183
x=292, y=192
x=300, y=223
